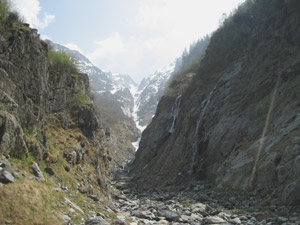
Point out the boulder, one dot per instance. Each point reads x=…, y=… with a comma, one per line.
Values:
x=66, y=218
x=169, y=215
x=214, y=220
x=96, y=221
x=4, y=163
x=6, y=177
x=37, y=172
x=49, y=170
x=146, y=214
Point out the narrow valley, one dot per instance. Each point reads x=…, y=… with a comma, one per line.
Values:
x=211, y=138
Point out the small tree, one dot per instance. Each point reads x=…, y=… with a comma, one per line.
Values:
x=4, y=10
x=62, y=61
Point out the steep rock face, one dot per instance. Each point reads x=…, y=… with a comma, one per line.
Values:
x=37, y=100
x=113, y=95
x=238, y=124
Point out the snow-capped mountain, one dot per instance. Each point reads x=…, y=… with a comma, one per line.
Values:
x=148, y=94
x=116, y=86
x=120, y=97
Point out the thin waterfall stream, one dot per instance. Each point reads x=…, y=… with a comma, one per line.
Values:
x=204, y=105
x=175, y=112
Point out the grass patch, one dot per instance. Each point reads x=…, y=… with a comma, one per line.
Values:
x=29, y=202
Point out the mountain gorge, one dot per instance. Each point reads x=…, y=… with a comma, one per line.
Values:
x=113, y=95
x=220, y=137
x=236, y=125
x=125, y=105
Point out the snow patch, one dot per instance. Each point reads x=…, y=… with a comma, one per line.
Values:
x=136, y=144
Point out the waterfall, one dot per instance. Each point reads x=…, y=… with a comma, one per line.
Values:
x=223, y=81
x=204, y=105
x=175, y=112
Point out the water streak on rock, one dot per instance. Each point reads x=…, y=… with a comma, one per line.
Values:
x=204, y=106
x=175, y=112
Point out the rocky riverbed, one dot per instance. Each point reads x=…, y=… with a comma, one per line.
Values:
x=195, y=203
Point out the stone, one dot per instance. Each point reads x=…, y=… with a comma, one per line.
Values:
x=296, y=140
x=64, y=188
x=169, y=215
x=83, y=189
x=67, y=168
x=195, y=217
x=146, y=214
x=120, y=217
x=49, y=170
x=57, y=189
x=94, y=197
x=6, y=177
x=71, y=210
x=214, y=220
x=235, y=221
x=282, y=219
x=15, y=174
x=96, y=221
x=199, y=207
x=291, y=193
x=163, y=222
x=66, y=218
x=73, y=205
x=37, y=172
x=118, y=222
x=4, y=163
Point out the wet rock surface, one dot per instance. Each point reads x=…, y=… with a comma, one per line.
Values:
x=196, y=203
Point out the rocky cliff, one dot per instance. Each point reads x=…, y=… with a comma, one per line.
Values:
x=112, y=94
x=48, y=123
x=236, y=125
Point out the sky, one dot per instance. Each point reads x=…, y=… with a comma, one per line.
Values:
x=134, y=37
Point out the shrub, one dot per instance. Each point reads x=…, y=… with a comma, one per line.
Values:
x=4, y=10
x=62, y=61
x=7, y=16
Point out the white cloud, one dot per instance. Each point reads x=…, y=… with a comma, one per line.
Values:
x=178, y=23
x=45, y=37
x=30, y=10
x=73, y=46
x=163, y=28
x=110, y=47
x=116, y=54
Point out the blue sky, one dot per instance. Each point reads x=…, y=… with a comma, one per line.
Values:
x=134, y=37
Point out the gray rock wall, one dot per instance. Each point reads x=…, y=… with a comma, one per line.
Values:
x=31, y=89
x=228, y=131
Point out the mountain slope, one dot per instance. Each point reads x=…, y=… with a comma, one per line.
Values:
x=112, y=95
x=52, y=145
x=237, y=123
x=148, y=94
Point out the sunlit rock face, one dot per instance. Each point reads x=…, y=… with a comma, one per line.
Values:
x=243, y=97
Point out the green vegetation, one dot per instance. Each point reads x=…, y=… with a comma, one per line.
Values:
x=4, y=9
x=186, y=66
x=81, y=98
x=6, y=13
x=62, y=61
x=190, y=60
